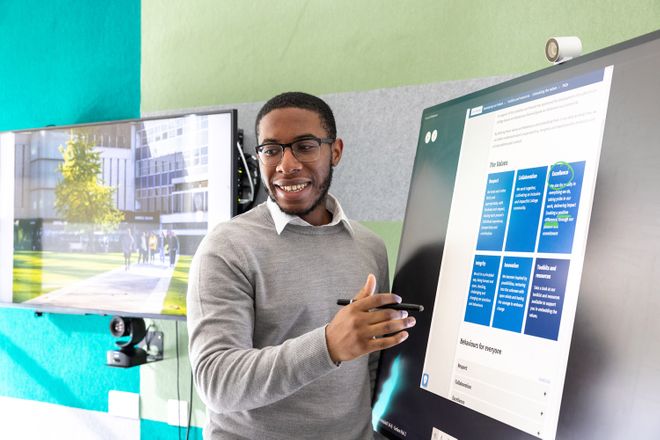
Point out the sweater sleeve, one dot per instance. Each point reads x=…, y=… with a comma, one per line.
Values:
x=229, y=373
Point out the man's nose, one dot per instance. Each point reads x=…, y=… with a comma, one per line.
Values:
x=289, y=163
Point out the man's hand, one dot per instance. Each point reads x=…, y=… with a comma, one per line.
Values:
x=355, y=330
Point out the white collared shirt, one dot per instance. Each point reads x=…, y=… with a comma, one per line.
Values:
x=281, y=219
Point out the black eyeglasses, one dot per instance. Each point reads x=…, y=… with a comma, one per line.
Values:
x=304, y=150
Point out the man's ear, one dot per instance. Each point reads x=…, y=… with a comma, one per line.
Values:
x=336, y=149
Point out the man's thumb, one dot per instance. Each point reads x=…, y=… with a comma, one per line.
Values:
x=369, y=287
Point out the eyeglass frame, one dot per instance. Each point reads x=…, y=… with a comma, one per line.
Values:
x=321, y=141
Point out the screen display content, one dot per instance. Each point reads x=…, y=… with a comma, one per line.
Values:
x=530, y=236
x=105, y=218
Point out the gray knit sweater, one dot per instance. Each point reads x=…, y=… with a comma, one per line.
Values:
x=258, y=304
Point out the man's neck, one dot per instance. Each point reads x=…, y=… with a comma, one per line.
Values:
x=319, y=216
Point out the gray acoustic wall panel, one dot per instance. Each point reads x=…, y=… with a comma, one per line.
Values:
x=380, y=130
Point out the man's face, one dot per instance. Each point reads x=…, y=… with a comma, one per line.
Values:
x=298, y=188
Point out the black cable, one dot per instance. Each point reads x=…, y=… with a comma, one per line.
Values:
x=190, y=405
x=246, y=167
x=178, y=394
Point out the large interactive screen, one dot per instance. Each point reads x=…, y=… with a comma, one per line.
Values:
x=104, y=218
x=532, y=237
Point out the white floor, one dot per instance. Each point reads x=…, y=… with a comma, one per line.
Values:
x=28, y=420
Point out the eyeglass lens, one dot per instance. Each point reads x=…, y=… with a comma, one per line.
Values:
x=306, y=150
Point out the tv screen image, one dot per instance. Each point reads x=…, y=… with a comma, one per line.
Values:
x=531, y=238
x=104, y=218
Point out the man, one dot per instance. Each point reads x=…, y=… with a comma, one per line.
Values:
x=153, y=246
x=273, y=356
x=127, y=245
x=162, y=241
x=172, y=246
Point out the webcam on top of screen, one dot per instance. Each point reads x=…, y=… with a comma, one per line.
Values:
x=561, y=49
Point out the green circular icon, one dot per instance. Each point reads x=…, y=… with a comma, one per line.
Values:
x=559, y=186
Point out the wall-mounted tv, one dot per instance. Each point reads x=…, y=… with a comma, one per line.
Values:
x=532, y=238
x=104, y=218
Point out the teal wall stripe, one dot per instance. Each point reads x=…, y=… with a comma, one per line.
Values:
x=60, y=359
x=66, y=62
x=153, y=430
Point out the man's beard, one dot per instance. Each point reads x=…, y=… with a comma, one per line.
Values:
x=325, y=186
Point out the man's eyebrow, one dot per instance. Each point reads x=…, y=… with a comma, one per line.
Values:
x=297, y=138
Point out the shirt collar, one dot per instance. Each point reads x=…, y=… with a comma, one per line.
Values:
x=281, y=219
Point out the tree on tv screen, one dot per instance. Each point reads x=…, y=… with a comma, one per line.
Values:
x=80, y=198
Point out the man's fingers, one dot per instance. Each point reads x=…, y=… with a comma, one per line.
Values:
x=387, y=327
x=377, y=316
x=368, y=289
x=387, y=342
x=377, y=300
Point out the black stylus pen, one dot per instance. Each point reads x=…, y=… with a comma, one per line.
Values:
x=395, y=306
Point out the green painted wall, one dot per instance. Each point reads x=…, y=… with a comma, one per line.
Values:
x=158, y=381
x=211, y=52
x=390, y=232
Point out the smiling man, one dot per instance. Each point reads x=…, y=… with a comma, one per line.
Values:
x=273, y=356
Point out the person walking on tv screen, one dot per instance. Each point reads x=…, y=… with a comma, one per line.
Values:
x=162, y=240
x=172, y=246
x=143, y=250
x=272, y=354
x=153, y=246
x=127, y=246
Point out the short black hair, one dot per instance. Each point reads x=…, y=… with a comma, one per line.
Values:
x=300, y=100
